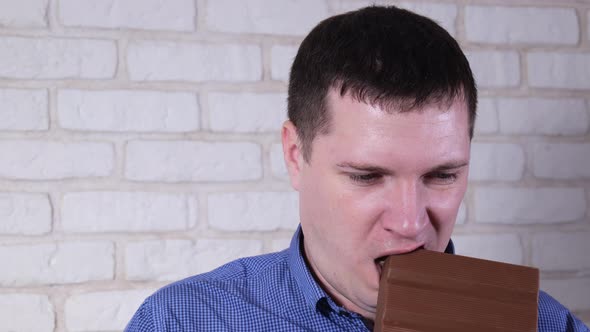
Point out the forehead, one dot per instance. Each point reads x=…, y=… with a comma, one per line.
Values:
x=426, y=135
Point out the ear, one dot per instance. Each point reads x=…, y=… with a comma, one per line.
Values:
x=292, y=153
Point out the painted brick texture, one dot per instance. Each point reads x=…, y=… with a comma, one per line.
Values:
x=27, y=313
x=125, y=111
x=140, y=144
x=57, y=58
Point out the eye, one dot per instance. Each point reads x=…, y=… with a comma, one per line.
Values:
x=441, y=177
x=368, y=178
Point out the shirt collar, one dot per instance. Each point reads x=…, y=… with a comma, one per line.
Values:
x=312, y=292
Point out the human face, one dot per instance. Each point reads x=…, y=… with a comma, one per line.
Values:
x=377, y=184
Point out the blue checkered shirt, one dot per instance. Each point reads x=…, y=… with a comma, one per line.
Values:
x=275, y=292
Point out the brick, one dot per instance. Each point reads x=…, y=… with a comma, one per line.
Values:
x=23, y=109
x=171, y=61
x=52, y=58
x=25, y=13
x=124, y=211
x=277, y=162
x=559, y=70
x=497, y=247
x=177, y=161
x=521, y=25
x=176, y=259
x=443, y=14
x=280, y=244
x=138, y=14
x=103, y=311
x=25, y=214
x=543, y=116
x=487, y=117
x=56, y=263
x=572, y=293
x=494, y=69
x=496, y=161
x=253, y=211
x=45, y=160
x=125, y=110
x=265, y=16
x=529, y=205
x=26, y=313
x=561, y=251
x=247, y=112
x=462, y=213
x=562, y=161
x=282, y=57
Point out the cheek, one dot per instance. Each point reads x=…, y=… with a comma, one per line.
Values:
x=443, y=211
x=343, y=216
x=362, y=207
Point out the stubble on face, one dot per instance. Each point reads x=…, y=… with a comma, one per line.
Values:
x=379, y=183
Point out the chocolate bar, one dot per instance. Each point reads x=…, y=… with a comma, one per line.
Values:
x=432, y=291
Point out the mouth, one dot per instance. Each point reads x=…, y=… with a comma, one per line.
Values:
x=380, y=261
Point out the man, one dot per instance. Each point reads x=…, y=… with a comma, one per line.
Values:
x=382, y=106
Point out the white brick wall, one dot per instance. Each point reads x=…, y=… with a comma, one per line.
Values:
x=124, y=212
x=573, y=293
x=26, y=313
x=103, y=310
x=26, y=13
x=282, y=57
x=193, y=161
x=462, y=214
x=498, y=247
x=253, y=211
x=173, y=61
x=120, y=110
x=26, y=214
x=57, y=58
x=559, y=70
x=247, y=112
x=521, y=25
x=23, y=109
x=277, y=162
x=562, y=161
x=280, y=244
x=561, y=251
x=139, y=14
x=140, y=143
x=177, y=259
x=56, y=263
x=535, y=116
x=288, y=17
x=523, y=205
x=487, y=117
x=494, y=69
x=502, y=162
x=43, y=160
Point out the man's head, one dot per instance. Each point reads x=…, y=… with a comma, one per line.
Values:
x=381, y=108
x=378, y=55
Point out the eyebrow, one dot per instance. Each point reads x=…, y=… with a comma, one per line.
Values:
x=365, y=168
x=448, y=166
x=451, y=165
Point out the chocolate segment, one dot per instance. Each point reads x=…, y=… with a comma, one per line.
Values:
x=432, y=291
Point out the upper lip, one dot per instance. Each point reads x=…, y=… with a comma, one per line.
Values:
x=399, y=251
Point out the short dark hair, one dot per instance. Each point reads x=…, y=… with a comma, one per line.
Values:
x=382, y=55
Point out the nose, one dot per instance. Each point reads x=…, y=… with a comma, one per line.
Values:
x=405, y=212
